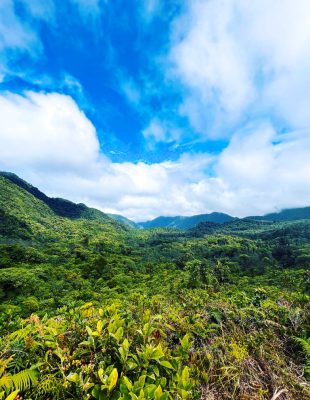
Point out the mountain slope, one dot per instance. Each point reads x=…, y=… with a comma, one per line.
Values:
x=61, y=207
x=180, y=222
x=290, y=214
x=124, y=220
x=24, y=216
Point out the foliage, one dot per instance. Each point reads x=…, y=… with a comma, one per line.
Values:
x=92, y=309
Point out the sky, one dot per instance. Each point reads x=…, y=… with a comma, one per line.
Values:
x=158, y=107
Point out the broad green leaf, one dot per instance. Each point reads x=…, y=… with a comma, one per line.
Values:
x=166, y=364
x=125, y=344
x=157, y=353
x=112, y=380
x=158, y=393
x=73, y=377
x=185, y=375
x=127, y=382
x=99, y=326
x=119, y=334
x=101, y=375
x=89, y=331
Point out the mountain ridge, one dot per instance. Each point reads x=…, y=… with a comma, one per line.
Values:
x=69, y=209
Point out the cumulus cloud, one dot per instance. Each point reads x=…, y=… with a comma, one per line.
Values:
x=236, y=57
x=49, y=141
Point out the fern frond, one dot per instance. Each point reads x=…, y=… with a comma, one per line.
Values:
x=305, y=344
x=6, y=382
x=20, y=333
x=24, y=379
x=4, y=363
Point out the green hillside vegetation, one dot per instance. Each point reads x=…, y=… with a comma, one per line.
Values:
x=93, y=309
x=287, y=215
x=181, y=222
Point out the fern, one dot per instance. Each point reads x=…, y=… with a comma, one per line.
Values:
x=21, y=333
x=20, y=381
x=24, y=379
x=305, y=344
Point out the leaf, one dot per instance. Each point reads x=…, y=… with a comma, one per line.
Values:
x=13, y=395
x=24, y=379
x=73, y=377
x=157, y=353
x=99, y=326
x=184, y=394
x=185, y=342
x=112, y=380
x=131, y=365
x=127, y=382
x=185, y=375
x=98, y=394
x=125, y=345
x=166, y=364
x=158, y=393
x=118, y=334
x=101, y=375
x=89, y=331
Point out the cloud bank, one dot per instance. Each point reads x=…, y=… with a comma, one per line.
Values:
x=48, y=140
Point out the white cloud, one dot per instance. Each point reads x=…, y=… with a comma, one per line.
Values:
x=160, y=131
x=45, y=131
x=131, y=91
x=49, y=141
x=15, y=36
x=237, y=56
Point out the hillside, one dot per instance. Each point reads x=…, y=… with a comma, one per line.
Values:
x=291, y=214
x=124, y=220
x=181, y=222
x=93, y=309
x=61, y=207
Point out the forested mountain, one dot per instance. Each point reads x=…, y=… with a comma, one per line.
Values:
x=93, y=309
x=124, y=220
x=61, y=207
x=181, y=222
x=287, y=215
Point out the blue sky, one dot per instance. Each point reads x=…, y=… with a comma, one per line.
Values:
x=153, y=107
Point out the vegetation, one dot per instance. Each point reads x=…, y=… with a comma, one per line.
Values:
x=93, y=309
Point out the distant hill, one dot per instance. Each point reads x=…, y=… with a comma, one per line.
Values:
x=180, y=222
x=124, y=220
x=61, y=207
x=291, y=214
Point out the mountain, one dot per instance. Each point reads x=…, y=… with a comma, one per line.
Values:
x=290, y=214
x=124, y=220
x=180, y=222
x=205, y=222
x=28, y=214
x=61, y=207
